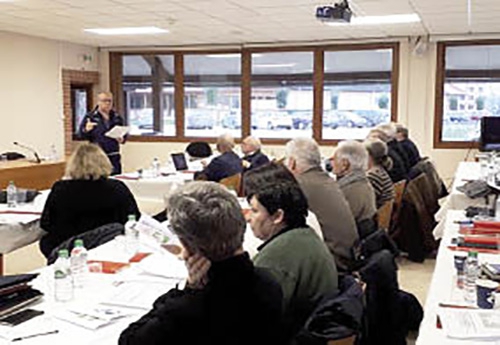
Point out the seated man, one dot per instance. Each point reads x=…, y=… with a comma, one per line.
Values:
x=325, y=199
x=298, y=259
x=225, y=165
x=408, y=145
x=254, y=158
x=400, y=162
x=227, y=300
x=350, y=163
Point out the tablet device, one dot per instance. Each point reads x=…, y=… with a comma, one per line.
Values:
x=179, y=161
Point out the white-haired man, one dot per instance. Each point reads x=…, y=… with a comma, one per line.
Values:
x=387, y=133
x=325, y=199
x=253, y=156
x=350, y=163
x=225, y=165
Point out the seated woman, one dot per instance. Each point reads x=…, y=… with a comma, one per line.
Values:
x=85, y=199
x=294, y=254
x=378, y=165
x=227, y=301
x=349, y=165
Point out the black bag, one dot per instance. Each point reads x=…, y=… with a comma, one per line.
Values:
x=475, y=189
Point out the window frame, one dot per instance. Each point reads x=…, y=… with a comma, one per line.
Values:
x=116, y=80
x=441, y=76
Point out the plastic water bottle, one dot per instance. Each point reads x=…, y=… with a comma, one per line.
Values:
x=131, y=235
x=79, y=266
x=11, y=195
x=471, y=275
x=156, y=167
x=53, y=153
x=63, y=281
x=497, y=209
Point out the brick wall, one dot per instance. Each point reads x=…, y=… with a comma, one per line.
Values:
x=70, y=77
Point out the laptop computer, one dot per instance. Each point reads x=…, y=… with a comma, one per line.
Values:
x=179, y=161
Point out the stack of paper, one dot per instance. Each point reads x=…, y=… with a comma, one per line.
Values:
x=470, y=323
x=91, y=317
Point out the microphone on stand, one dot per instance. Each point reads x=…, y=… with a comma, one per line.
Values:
x=37, y=158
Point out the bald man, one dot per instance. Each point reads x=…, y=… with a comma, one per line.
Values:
x=225, y=165
x=253, y=156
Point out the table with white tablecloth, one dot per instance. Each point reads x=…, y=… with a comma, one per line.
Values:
x=443, y=287
x=456, y=200
x=160, y=267
x=20, y=226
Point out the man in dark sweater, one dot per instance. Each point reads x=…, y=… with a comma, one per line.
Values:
x=408, y=145
x=227, y=300
x=225, y=165
x=254, y=158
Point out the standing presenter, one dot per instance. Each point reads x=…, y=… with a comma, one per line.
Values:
x=97, y=123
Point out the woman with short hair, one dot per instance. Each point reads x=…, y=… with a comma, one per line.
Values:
x=85, y=199
x=379, y=163
x=298, y=259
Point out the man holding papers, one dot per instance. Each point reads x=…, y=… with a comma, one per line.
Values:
x=104, y=127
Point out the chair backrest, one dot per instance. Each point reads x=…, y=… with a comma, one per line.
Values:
x=399, y=190
x=199, y=149
x=345, y=341
x=232, y=182
x=91, y=239
x=384, y=215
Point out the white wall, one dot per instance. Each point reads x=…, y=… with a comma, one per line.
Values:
x=31, y=89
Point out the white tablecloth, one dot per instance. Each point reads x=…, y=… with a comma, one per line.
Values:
x=457, y=200
x=443, y=290
x=14, y=232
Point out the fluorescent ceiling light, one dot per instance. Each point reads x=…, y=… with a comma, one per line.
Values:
x=142, y=30
x=278, y=65
x=224, y=56
x=228, y=56
x=378, y=20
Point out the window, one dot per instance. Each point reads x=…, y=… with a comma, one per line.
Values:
x=468, y=89
x=356, y=92
x=212, y=95
x=282, y=94
x=80, y=105
x=148, y=88
x=327, y=92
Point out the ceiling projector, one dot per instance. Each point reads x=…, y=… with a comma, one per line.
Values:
x=338, y=13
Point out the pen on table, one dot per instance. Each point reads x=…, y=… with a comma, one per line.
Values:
x=35, y=335
x=456, y=306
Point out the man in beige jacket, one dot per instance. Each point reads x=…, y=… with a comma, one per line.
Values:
x=325, y=199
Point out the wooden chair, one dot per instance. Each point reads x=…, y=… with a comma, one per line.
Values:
x=399, y=190
x=232, y=182
x=384, y=215
x=345, y=341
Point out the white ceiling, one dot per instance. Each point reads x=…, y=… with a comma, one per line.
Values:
x=194, y=22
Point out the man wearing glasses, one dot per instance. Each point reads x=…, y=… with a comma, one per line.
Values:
x=97, y=123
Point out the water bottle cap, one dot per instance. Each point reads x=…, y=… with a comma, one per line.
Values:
x=79, y=243
x=473, y=254
x=131, y=217
x=63, y=253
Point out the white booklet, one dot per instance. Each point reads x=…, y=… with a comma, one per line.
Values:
x=91, y=317
x=470, y=324
x=117, y=132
